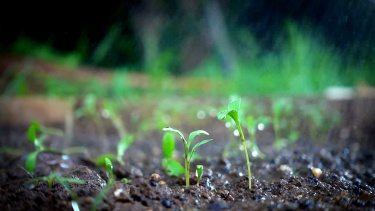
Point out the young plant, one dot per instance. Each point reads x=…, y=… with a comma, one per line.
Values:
x=88, y=109
x=37, y=134
x=188, y=154
x=63, y=181
x=172, y=166
x=122, y=146
x=199, y=173
x=232, y=111
x=252, y=124
x=279, y=108
x=111, y=181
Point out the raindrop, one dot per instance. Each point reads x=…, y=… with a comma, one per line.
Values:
x=201, y=114
x=254, y=153
x=261, y=126
x=105, y=113
x=236, y=133
x=228, y=124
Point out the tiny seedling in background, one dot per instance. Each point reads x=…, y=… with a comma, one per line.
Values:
x=172, y=166
x=232, y=111
x=88, y=109
x=37, y=134
x=102, y=194
x=63, y=181
x=199, y=173
x=279, y=108
x=252, y=124
x=122, y=147
x=189, y=152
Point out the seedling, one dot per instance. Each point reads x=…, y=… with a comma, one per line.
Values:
x=37, y=135
x=172, y=166
x=122, y=146
x=279, y=108
x=101, y=195
x=232, y=111
x=88, y=109
x=187, y=144
x=63, y=181
x=199, y=173
x=252, y=124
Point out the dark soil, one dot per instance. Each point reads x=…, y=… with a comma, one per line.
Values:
x=282, y=181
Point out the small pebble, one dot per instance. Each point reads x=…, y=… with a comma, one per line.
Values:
x=317, y=172
x=155, y=177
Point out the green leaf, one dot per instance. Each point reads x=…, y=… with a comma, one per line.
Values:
x=235, y=104
x=100, y=161
x=124, y=145
x=222, y=114
x=175, y=131
x=173, y=167
x=168, y=145
x=31, y=160
x=31, y=133
x=109, y=166
x=199, y=171
x=194, y=134
x=198, y=145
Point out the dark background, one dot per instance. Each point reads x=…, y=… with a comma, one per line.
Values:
x=347, y=25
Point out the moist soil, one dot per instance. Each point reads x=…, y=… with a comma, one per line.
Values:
x=284, y=180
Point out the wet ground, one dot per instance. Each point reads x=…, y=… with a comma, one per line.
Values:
x=284, y=180
x=330, y=170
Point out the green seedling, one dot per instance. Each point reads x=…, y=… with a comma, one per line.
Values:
x=88, y=109
x=199, y=173
x=252, y=124
x=63, y=181
x=122, y=146
x=279, y=108
x=102, y=194
x=37, y=134
x=188, y=154
x=232, y=111
x=172, y=166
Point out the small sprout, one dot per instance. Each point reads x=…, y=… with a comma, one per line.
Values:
x=252, y=125
x=126, y=180
x=122, y=146
x=199, y=173
x=63, y=181
x=102, y=194
x=189, y=152
x=172, y=166
x=109, y=168
x=36, y=134
x=232, y=111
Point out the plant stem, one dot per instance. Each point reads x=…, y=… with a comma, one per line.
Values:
x=242, y=137
x=187, y=166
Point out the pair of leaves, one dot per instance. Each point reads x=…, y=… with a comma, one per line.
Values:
x=188, y=143
x=232, y=111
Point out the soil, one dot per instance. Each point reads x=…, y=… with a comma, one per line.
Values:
x=284, y=180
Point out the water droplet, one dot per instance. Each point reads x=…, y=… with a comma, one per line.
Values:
x=201, y=114
x=261, y=126
x=254, y=153
x=236, y=133
x=228, y=124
